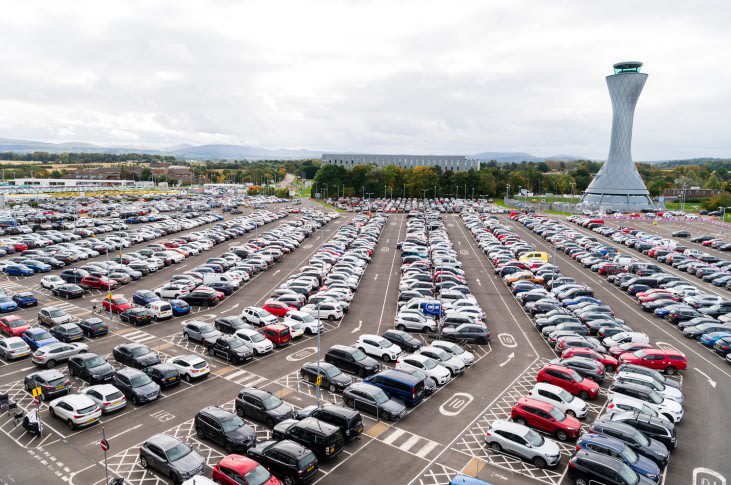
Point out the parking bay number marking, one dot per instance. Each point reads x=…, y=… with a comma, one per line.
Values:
x=507, y=340
x=301, y=354
x=455, y=404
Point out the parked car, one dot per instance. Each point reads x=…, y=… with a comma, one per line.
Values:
x=76, y=410
x=224, y=428
x=262, y=406
x=521, y=441
x=171, y=458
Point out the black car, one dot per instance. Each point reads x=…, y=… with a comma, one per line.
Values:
x=374, y=400
x=289, y=461
x=229, y=325
x=136, y=316
x=164, y=375
x=73, y=275
x=93, y=327
x=658, y=429
x=225, y=288
x=135, y=385
x=349, y=421
x=231, y=348
x=135, y=355
x=403, y=339
x=352, y=360
x=225, y=428
x=681, y=234
x=262, y=406
x=68, y=291
x=638, y=441
x=200, y=298
x=332, y=377
x=67, y=332
x=467, y=333
x=324, y=439
x=593, y=467
x=91, y=368
x=52, y=383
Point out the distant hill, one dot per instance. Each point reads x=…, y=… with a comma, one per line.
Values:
x=517, y=157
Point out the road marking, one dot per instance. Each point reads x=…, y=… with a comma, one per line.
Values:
x=710, y=381
x=284, y=392
x=388, y=282
x=376, y=276
x=223, y=370
x=376, y=430
x=474, y=467
x=706, y=476
x=478, y=281
x=118, y=434
x=507, y=340
x=124, y=331
x=397, y=433
x=426, y=449
x=164, y=346
x=357, y=329
x=275, y=273
x=456, y=404
x=301, y=354
x=510, y=357
x=409, y=443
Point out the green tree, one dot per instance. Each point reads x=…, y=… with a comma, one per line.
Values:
x=146, y=174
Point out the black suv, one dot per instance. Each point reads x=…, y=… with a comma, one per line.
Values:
x=592, y=467
x=349, y=421
x=135, y=385
x=323, y=439
x=93, y=327
x=290, y=461
x=135, y=355
x=262, y=406
x=403, y=339
x=224, y=428
x=352, y=360
x=658, y=429
x=229, y=325
x=231, y=348
x=73, y=275
x=639, y=442
x=92, y=368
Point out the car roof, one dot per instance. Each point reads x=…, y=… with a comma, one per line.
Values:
x=47, y=374
x=261, y=393
x=528, y=401
x=600, y=458
x=165, y=441
x=76, y=400
x=103, y=389
x=239, y=463
x=216, y=412
x=510, y=426
x=129, y=372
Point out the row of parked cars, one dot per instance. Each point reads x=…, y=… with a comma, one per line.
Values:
x=632, y=438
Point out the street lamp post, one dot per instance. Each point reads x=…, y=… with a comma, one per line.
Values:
x=507, y=191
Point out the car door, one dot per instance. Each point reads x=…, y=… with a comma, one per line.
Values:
x=182, y=366
x=123, y=384
x=64, y=411
x=518, y=445
x=156, y=458
x=366, y=402
x=254, y=408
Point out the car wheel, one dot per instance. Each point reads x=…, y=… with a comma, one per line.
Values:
x=71, y=424
x=361, y=372
x=288, y=480
x=386, y=416
x=670, y=370
x=581, y=481
x=539, y=462
x=520, y=421
x=52, y=412
x=270, y=423
x=186, y=378
x=496, y=446
x=199, y=433
x=425, y=330
x=400, y=327
x=669, y=418
x=386, y=358
x=210, y=351
x=571, y=413
x=332, y=388
x=562, y=435
x=143, y=462
x=609, y=368
x=584, y=395
x=51, y=364
x=135, y=401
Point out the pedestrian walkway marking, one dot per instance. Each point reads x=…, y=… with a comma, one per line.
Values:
x=394, y=436
x=376, y=430
x=426, y=449
x=124, y=331
x=223, y=370
x=474, y=466
x=284, y=392
x=410, y=443
x=164, y=346
x=246, y=378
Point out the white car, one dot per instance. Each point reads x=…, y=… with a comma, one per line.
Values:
x=327, y=310
x=161, y=310
x=254, y=339
x=378, y=346
x=625, y=337
x=620, y=405
x=467, y=357
x=258, y=316
x=190, y=366
x=662, y=405
x=560, y=398
x=14, y=348
x=52, y=281
x=75, y=409
x=310, y=324
x=516, y=439
x=427, y=365
x=172, y=290
x=296, y=330
x=645, y=380
x=107, y=397
x=453, y=363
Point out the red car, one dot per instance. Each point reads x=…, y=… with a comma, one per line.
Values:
x=278, y=308
x=181, y=251
x=610, y=363
x=651, y=295
x=238, y=469
x=277, y=333
x=98, y=282
x=569, y=380
x=667, y=361
x=545, y=417
x=117, y=304
x=620, y=349
x=170, y=244
x=13, y=325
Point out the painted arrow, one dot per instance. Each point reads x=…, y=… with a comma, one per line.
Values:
x=510, y=357
x=710, y=381
x=357, y=329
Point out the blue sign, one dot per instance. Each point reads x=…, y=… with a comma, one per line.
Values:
x=431, y=308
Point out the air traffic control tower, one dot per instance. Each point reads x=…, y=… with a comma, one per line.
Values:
x=618, y=185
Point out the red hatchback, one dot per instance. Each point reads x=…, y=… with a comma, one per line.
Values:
x=278, y=308
x=13, y=325
x=98, y=282
x=277, y=333
x=117, y=304
x=238, y=469
x=569, y=380
x=610, y=363
x=545, y=417
x=667, y=361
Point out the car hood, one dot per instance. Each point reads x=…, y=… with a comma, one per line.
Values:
x=188, y=463
x=671, y=406
x=549, y=448
x=148, y=359
x=244, y=433
x=646, y=466
x=102, y=370
x=283, y=411
x=393, y=406
x=147, y=389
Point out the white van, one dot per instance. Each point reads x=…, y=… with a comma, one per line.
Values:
x=220, y=278
x=160, y=309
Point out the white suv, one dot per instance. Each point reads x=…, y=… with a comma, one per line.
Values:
x=378, y=346
x=310, y=324
x=254, y=339
x=467, y=357
x=327, y=310
x=258, y=316
x=427, y=365
x=560, y=398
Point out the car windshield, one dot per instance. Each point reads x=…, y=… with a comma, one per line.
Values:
x=308, y=318
x=206, y=329
x=557, y=414
x=534, y=438
x=55, y=313
x=333, y=371
x=140, y=380
x=95, y=362
x=258, y=476
x=17, y=345
x=42, y=335
x=177, y=452
x=256, y=337
x=576, y=377
x=121, y=301
x=235, y=343
x=629, y=455
x=385, y=344
x=358, y=355
x=232, y=424
x=17, y=323
x=138, y=351
x=628, y=476
x=655, y=397
x=271, y=402
x=380, y=397
x=565, y=396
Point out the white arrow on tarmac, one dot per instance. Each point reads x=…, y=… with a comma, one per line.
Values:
x=710, y=381
x=360, y=324
x=478, y=281
x=277, y=271
x=510, y=357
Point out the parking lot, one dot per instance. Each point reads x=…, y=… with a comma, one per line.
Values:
x=438, y=438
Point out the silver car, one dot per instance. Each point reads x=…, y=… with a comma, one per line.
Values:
x=52, y=316
x=51, y=354
x=171, y=458
x=523, y=442
x=107, y=397
x=414, y=321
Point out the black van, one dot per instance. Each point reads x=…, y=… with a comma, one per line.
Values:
x=348, y=420
x=408, y=388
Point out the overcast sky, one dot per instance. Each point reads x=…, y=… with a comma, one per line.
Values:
x=449, y=77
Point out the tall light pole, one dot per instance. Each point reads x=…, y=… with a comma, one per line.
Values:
x=507, y=191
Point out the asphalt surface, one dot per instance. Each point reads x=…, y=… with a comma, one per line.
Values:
x=440, y=437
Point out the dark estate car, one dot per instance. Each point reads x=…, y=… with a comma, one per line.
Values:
x=93, y=327
x=263, y=406
x=349, y=421
x=229, y=325
x=225, y=428
x=231, y=348
x=352, y=360
x=90, y=367
x=52, y=383
x=403, y=339
x=135, y=355
x=135, y=385
x=164, y=375
x=332, y=377
x=136, y=316
x=67, y=332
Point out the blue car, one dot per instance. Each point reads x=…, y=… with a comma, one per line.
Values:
x=143, y=297
x=38, y=337
x=581, y=299
x=18, y=270
x=710, y=339
x=7, y=304
x=467, y=480
x=37, y=266
x=25, y=299
x=179, y=307
x=607, y=445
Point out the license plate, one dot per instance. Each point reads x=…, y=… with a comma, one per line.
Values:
x=89, y=420
x=58, y=388
x=175, y=378
x=311, y=467
x=114, y=403
x=360, y=429
x=22, y=354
